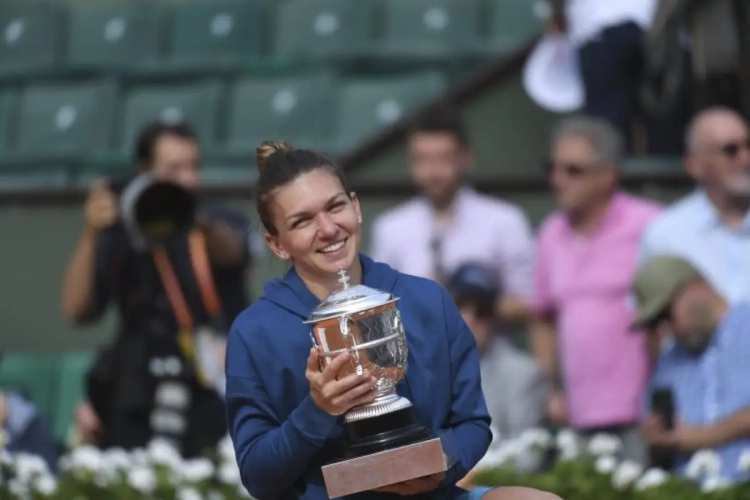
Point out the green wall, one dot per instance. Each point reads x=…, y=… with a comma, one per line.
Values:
x=509, y=135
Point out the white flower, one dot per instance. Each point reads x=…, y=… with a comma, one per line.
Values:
x=162, y=452
x=703, y=464
x=229, y=473
x=604, y=444
x=743, y=464
x=568, y=445
x=226, y=449
x=715, y=483
x=606, y=464
x=117, y=459
x=197, y=470
x=536, y=438
x=142, y=479
x=189, y=494
x=85, y=458
x=29, y=466
x=625, y=474
x=651, y=479
x=214, y=495
x=46, y=484
x=18, y=488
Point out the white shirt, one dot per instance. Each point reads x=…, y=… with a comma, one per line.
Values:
x=588, y=18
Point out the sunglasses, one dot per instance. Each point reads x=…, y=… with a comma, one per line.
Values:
x=732, y=149
x=571, y=170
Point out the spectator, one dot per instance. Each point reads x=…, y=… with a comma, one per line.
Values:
x=24, y=430
x=711, y=227
x=450, y=223
x=513, y=385
x=706, y=367
x=585, y=262
x=609, y=37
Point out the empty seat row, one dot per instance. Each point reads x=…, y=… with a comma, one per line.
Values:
x=51, y=124
x=152, y=37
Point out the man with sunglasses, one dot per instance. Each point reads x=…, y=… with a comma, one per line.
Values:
x=585, y=261
x=704, y=364
x=711, y=226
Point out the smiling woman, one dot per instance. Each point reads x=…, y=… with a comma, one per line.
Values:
x=285, y=414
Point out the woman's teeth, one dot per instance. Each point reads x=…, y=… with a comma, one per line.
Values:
x=333, y=248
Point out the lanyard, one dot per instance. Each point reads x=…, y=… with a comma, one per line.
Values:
x=180, y=308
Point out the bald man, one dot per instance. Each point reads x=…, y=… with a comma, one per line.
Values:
x=711, y=226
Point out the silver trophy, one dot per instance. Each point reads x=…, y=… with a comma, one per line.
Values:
x=366, y=323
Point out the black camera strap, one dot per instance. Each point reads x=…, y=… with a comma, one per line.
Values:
x=180, y=308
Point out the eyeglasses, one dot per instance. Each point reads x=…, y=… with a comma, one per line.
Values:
x=571, y=170
x=732, y=149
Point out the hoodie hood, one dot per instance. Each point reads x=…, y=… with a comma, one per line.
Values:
x=291, y=293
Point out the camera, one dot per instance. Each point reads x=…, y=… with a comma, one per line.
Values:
x=153, y=210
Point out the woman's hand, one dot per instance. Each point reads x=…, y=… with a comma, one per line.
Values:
x=336, y=397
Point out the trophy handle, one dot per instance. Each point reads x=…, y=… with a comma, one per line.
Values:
x=345, y=327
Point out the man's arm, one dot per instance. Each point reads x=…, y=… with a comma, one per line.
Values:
x=543, y=339
x=84, y=295
x=516, y=269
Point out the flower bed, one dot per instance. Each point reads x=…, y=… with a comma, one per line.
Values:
x=594, y=474
x=156, y=472
x=159, y=472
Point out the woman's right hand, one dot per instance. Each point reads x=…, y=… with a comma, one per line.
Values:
x=336, y=397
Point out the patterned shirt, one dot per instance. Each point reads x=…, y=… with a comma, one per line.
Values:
x=714, y=385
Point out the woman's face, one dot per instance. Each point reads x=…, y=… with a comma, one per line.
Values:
x=318, y=225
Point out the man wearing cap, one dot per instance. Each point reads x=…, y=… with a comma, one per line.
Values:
x=705, y=365
x=513, y=384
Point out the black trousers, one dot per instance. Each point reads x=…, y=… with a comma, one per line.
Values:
x=612, y=69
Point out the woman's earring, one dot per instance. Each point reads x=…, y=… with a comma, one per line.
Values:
x=359, y=219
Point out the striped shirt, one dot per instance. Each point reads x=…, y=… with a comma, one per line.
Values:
x=714, y=385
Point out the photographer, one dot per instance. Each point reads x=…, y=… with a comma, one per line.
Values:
x=176, y=300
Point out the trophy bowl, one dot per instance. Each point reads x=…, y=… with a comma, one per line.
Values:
x=366, y=323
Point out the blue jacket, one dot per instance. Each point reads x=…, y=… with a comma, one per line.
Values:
x=282, y=439
x=28, y=431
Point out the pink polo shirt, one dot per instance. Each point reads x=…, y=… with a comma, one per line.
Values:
x=586, y=281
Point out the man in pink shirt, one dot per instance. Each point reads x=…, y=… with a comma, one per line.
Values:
x=584, y=265
x=450, y=223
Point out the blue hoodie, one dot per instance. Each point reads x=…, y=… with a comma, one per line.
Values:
x=282, y=439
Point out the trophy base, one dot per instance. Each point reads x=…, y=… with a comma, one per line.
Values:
x=384, y=432
x=392, y=466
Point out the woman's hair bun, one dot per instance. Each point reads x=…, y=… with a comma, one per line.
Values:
x=267, y=149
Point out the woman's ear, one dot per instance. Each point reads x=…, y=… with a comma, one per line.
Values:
x=357, y=209
x=273, y=243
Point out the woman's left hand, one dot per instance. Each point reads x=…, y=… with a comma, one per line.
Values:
x=414, y=486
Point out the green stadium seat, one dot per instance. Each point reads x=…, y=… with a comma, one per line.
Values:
x=511, y=24
x=323, y=28
x=368, y=105
x=296, y=109
x=70, y=390
x=65, y=120
x=430, y=29
x=7, y=118
x=32, y=375
x=112, y=35
x=197, y=103
x=31, y=36
x=215, y=33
